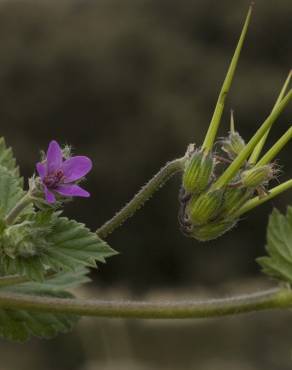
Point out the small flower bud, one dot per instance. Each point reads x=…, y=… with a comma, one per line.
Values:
x=205, y=208
x=233, y=199
x=257, y=176
x=233, y=144
x=198, y=172
x=212, y=230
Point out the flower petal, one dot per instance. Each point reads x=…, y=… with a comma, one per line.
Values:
x=76, y=167
x=54, y=157
x=42, y=170
x=50, y=197
x=72, y=190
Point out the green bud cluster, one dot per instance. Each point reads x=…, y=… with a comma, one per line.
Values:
x=218, y=189
x=208, y=211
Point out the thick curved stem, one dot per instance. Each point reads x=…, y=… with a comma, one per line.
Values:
x=141, y=197
x=271, y=299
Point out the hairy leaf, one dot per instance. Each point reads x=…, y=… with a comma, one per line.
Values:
x=8, y=161
x=278, y=263
x=10, y=191
x=46, y=241
x=53, y=283
x=20, y=325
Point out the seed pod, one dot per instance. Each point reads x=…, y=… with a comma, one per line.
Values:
x=233, y=144
x=233, y=199
x=198, y=172
x=212, y=230
x=257, y=176
x=205, y=208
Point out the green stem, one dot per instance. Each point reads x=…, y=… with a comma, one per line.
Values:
x=234, y=167
x=141, y=197
x=256, y=201
x=266, y=300
x=20, y=206
x=257, y=150
x=275, y=149
x=216, y=118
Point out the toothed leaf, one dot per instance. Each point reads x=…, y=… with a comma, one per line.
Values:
x=20, y=325
x=278, y=263
x=8, y=161
x=45, y=241
x=10, y=192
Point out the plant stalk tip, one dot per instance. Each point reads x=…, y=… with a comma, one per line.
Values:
x=218, y=111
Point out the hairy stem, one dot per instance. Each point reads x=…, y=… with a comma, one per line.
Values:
x=142, y=196
x=256, y=201
x=278, y=298
x=20, y=206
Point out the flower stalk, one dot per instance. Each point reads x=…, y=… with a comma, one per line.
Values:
x=257, y=201
x=142, y=196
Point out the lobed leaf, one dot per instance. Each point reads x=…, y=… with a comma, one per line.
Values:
x=49, y=242
x=278, y=263
x=20, y=325
x=10, y=190
x=8, y=161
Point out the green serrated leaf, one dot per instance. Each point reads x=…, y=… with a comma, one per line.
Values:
x=8, y=161
x=54, y=283
x=10, y=191
x=45, y=242
x=278, y=263
x=20, y=325
x=73, y=245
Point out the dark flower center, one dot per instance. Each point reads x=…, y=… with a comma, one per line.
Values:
x=54, y=179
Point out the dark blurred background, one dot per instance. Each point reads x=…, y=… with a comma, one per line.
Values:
x=131, y=83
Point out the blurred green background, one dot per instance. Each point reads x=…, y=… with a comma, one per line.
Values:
x=131, y=83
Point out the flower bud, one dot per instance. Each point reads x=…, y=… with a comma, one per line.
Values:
x=212, y=230
x=233, y=144
x=233, y=199
x=257, y=176
x=205, y=208
x=198, y=171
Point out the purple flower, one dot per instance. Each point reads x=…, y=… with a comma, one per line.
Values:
x=59, y=176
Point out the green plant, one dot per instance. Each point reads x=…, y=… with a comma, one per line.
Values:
x=43, y=254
